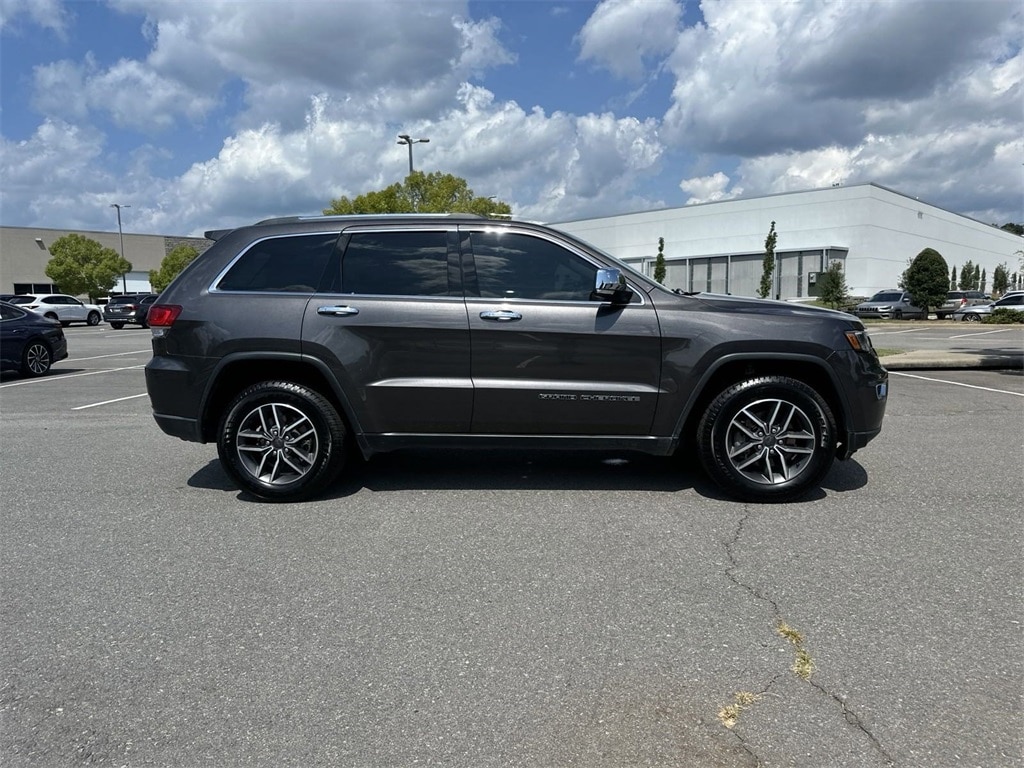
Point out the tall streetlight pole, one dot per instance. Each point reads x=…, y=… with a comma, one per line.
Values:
x=120, y=235
x=403, y=138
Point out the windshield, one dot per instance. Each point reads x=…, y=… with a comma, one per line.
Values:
x=887, y=296
x=123, y=300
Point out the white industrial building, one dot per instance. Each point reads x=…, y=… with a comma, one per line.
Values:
x=873, y=231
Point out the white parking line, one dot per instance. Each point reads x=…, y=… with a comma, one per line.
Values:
x=956, y=383
x=116, y=354
x=980, y=333
x=872, y=334
x=108, y=402
x=68, y=376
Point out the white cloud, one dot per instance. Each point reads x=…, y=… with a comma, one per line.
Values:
x=707, y=189
x=130, y=92
x=49, y=14
x=622, y=34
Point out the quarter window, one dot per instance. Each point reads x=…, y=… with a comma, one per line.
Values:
x=396, y=264
x=516, y=266
x=281, y=264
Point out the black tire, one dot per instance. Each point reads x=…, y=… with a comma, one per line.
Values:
x=36, y=358
x=769, y=439
x=117, y=326
x=93, y=318
x=972, y=317
x=281, y=441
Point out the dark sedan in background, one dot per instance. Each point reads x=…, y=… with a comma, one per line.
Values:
x=130, y=308
x=29, y=343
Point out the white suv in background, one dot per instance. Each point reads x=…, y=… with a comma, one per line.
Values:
x=59, y=306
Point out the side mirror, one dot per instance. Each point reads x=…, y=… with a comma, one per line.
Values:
x=610, y=286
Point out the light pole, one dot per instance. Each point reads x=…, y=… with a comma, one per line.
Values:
x=403, y=138
x=120, y=236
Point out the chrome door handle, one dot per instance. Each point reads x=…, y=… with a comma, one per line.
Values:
x=339, y=311
x=501, y=315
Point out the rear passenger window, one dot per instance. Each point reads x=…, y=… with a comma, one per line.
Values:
x=289, y=264
x=396, y=264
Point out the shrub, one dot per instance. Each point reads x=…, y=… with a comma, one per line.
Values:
x=1005, y=316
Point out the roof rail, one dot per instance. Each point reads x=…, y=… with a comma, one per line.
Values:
x=357, y=216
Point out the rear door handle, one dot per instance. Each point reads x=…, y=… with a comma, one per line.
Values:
x=501, y=315
x=338, y=311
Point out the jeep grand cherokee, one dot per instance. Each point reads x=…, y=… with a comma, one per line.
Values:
x=294, y=339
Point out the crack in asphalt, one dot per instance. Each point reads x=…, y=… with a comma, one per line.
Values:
x=851, y=717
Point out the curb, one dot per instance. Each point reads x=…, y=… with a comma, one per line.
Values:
x=926, y=360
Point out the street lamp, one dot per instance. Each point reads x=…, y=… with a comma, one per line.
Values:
x=120, y=235
x=403, y=138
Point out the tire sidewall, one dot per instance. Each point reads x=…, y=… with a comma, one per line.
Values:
x=714, y=425
x=330, y=432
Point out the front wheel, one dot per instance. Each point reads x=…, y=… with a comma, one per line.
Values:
x=898, y=314
x=94, y=318
x=281, y=441
x=972, y=318
x=768, y=439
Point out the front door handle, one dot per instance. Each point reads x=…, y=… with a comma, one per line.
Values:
x=501, y=315
x=337, y=311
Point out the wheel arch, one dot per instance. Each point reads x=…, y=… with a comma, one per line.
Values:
x=732, y=369
x=235, y=373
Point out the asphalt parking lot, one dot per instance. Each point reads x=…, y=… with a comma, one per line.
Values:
x=507, y=609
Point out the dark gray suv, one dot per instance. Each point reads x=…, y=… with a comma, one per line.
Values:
x=291, y=341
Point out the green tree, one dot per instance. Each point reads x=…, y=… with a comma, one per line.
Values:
x=952, y=279
x=172, y=264
x=768, y=264
x=422, y=193
x=80, y=265
x=927, y=279
x=1000, y=279
x=659, y=263
x=967, y=277
x=982, y=281
x=1017, y=229
x=832, y=288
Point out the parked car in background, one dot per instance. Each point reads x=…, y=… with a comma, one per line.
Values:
x=29, y=343
x=61, y=307
x=978, y=312
x=894, y=304
x=958, y=300
x=130, y=308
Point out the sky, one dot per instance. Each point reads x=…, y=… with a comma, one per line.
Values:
x=207, y=114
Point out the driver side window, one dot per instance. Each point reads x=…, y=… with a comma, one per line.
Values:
x=517, y=266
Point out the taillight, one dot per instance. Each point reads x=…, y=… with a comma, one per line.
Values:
x=163, y=315
x=963, y=302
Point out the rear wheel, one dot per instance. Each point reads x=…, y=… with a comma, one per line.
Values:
x=282, y=441
x=117, y=326
x=36, y=359
x=768, y=439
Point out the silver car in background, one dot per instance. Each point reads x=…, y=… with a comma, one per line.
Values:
x=979, y=312
x=890, y=304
